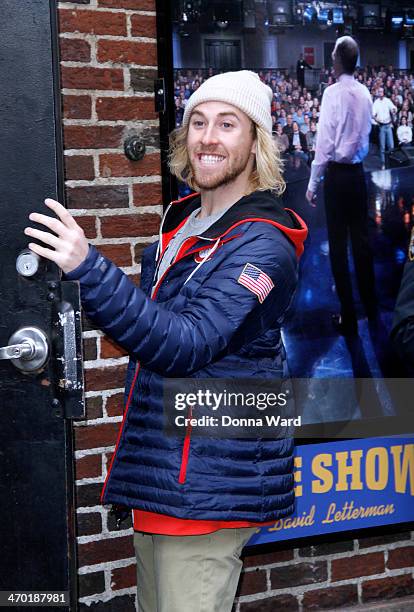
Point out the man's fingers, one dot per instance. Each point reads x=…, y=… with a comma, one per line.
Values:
x=43, y=252
x=54, y=224
x=43, y=236
x=61, y=212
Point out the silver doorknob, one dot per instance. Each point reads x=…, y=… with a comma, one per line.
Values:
x=28, y=349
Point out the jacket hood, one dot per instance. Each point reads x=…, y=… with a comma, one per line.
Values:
x=261, y=206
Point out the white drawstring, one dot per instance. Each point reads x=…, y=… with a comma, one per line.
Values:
x=160, y=231
x=206, y=256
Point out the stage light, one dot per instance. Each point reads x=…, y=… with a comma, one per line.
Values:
x=222, y=24
x=409, y=18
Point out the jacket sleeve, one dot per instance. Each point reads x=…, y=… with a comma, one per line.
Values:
x=403, y=323
x=177, y=344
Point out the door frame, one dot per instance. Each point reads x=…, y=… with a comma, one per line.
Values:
x=164, y=12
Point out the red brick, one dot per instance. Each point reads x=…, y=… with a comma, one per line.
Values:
x=108, y=347
x=74, y=50
x=142, y=79
x=326, y=548
x=92, y=136
x=135, y=278
x=115, y=405
x=92, y=22
x=124, y=577
x=94, y=407
x=88, y=523
x=127, y=52
x=358, y=565
x=138, y=5
x=111, y=164
x=88, y=494
x=332, y=597
x=251, y=582
x=95, y=436
x=144, y=25
x=401, y=557
x=92, y=78
x=102, y=551
x=120, y=254
x=147, y=194
x=89, y=349
x=98, y=196
x=122, y=226
x=111, y=377
x=88, y=224
x=138, y=251
x=287, y=603
x=88, y=467
x=299, y=573
x=125, y=109
x=91, y=583
x=387, y=588
x=77, y=107
x=276, y=556
x=382, y=540
x=79, y=167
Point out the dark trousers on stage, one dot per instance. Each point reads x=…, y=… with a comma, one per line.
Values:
x=347, y=217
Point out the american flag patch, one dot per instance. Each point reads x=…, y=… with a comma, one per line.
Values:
x=256, y=281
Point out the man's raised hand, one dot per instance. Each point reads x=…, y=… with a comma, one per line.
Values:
x=69, y=246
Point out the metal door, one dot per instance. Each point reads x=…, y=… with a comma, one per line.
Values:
x=223, y=54
x=39, y=317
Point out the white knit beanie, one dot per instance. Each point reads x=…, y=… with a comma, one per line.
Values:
x=243, y=89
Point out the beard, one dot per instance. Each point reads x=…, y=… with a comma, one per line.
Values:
x=223, y=176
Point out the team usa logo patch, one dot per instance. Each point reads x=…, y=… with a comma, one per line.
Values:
x=256, y=281
x=411, y=246
x=198, y=257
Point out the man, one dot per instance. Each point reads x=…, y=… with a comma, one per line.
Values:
x=341, y=145
x=288, y=128
x=305, y=127
x=214, y=292
x=297, y=142
x=402, y=332
x=281, y=139
x=404, y=133
x=298, y=117
x=311, y=139
x=300, y=70
x=383, y=111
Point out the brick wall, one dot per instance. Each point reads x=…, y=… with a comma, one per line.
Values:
x=333, y=575
x=108, y=63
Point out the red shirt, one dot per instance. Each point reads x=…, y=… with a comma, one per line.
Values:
x=151, y=522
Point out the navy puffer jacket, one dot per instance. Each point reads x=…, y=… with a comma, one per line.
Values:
x=201, y=322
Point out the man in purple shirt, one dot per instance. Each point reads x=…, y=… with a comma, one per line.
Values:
x=341, y=145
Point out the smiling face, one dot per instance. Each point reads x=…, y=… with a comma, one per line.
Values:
x=221, y=145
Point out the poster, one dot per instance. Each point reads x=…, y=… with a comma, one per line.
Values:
x=347, y=485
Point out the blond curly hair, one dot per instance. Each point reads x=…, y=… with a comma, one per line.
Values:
x=268, y=166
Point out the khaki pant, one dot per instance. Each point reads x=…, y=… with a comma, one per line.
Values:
x=189, y=573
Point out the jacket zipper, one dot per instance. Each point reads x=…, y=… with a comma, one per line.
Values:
x=185, y=452
x=121, y=429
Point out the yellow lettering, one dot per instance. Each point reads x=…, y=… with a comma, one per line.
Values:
x=331, y=510
x=376, y=468
x=298, y=476
x=353, y=470
x=401, y=468
x=325, y=476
